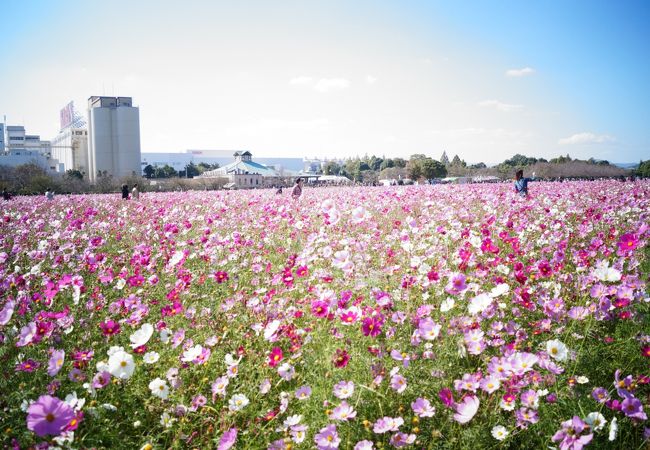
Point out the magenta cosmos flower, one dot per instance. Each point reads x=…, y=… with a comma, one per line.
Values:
x=228, y=439
x=49, y=415
x=275, y=356
x=341, y=358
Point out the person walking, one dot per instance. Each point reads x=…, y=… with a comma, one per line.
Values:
x=125, y=192
x=135, y=193
x=5, y=194
x=297, y=189
x=521, y=183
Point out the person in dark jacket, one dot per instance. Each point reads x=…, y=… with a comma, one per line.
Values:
x=125, y=192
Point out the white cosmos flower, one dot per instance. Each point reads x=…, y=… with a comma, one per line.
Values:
x=479, y=304
x=151, y=357
x=447, y=304
x=270, y=330
x=613, y=429
x=499, y=432
x=165, y=335
x=141, y=336
x=557, y=350
x=342, y=261
x=121, y=365
x=605, y=273
x=159, y=388
x=499, y=289
x=327, y=205
x=192, y=353
x=237, y=402
x=166, y=420
x=596, y=421
x=359, y=214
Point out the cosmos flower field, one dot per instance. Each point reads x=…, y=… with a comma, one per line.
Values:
x=353, y=318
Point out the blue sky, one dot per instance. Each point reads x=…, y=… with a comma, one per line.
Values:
x=483, y=80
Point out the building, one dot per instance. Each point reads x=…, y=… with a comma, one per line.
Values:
x=70, y=146
x=180, y=160
x=113, y=137
x=18, y=148
x=244, y=172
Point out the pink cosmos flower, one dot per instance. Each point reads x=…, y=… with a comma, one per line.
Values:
x=398, y=383
x=627, y=242
x=275, y=356
x=327, y=438
x=228, y=439
x=386, y=424
x=56, y=362
x=371, y=326
x=341, y=358
x=570, y=436
x=343, y=412
x=456, y=284
x=422, y=408
x=49, y=415
x=220, y=276
x=466, y=409
x=28, y=365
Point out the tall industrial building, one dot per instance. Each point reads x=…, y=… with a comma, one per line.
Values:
x=113, y=137
x=70, y=146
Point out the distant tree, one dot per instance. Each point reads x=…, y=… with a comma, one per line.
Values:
x=418, y=156
x=444, y=159
x=375, y=163
x=74, y=174
x=478, y=166
x=561, y=159
x=165, y=171
x=399, y=162
x=331, y=168
x=386, y=164
x=643, y=170
x=363, y=166
x=519, y=161
x=191, y=170
x=456, y=162
x=431, y=169
x=414, y=168
x=149, y=171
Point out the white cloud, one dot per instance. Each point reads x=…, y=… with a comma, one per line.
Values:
x=505, y=107
x=370, y=79
x=586, y=138
x=301, y=80
x=331, y=84
x=324, y=84
x=520, y=72
x=320, y=124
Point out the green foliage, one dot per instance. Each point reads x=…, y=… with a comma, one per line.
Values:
x=519, y=161
x=644, y=169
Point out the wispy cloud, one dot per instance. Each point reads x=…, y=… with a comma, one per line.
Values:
x=331, y=84
x=320, y=124
x=322, y=85
x=302, y=80
x=586, y=138
x=370, y=79
x=514, y=73
x=500, y=106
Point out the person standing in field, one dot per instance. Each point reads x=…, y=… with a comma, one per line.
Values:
x=125, y=192
x=521, y=183
x=135, y=193
x=297, y=189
